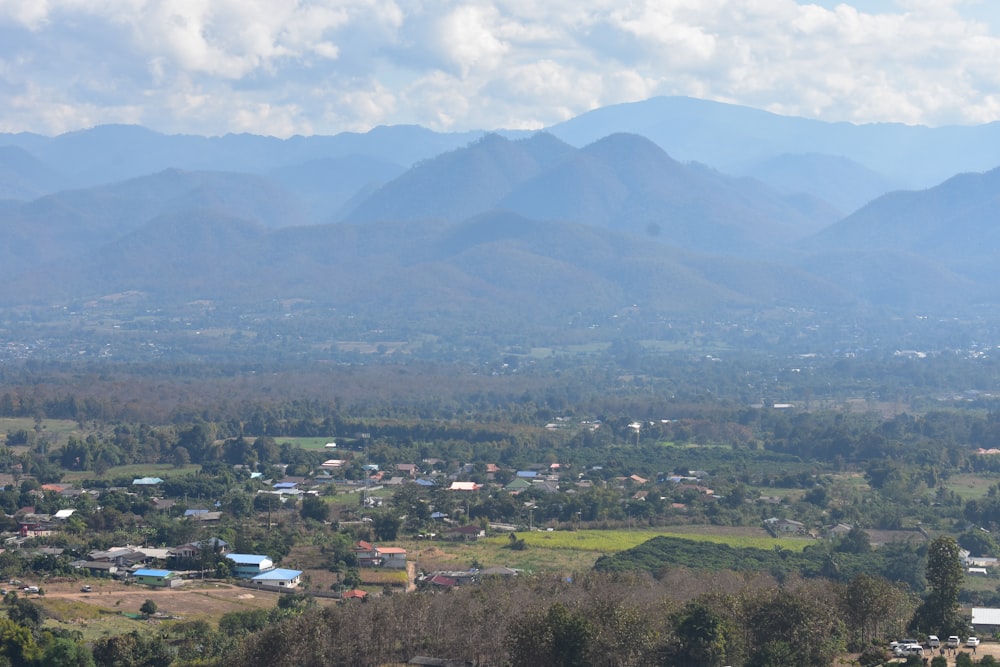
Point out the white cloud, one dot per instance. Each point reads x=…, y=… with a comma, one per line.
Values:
x=304, y=66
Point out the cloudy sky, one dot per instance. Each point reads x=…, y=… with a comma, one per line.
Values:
x=284, y=67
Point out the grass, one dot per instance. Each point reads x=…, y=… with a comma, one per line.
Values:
x=161, y=470
x=57, y=431
x=970, y=486
x=110, y=610
x=613, y=541
x=977, y=582
x=310, y=444
x=565, y=552
x=372, y=577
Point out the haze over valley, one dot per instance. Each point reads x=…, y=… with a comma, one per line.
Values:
x=660, y=214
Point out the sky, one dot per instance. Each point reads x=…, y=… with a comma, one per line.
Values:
x=287, y=67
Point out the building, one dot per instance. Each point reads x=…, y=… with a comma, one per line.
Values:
x=369, y=555
x=158, y=578
x=986, y=620
x=192, y=550
x=248, y=566
x=392, y=557
x=279, y=577
x=366, y=553
x=468, y=533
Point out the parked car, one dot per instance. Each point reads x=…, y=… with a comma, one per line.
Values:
x=31, y=589
x=933, y=641
x=953, y=641
x=911, y=648
x=86, y=589
x=972, y=642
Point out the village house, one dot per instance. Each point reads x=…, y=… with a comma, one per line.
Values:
x=192, y=550
x=407, y=469
x=248, y=566
x=370, y=555
x=464, y=486
x=366, y=554
x=157, y=578
x=393, y=557
x=280, y=577
x=468, y=533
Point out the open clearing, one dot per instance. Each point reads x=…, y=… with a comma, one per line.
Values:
x=102, y=612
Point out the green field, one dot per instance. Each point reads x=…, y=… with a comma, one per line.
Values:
x=970, y=486
x=161, y=470
x=613, y=541
x=575, y=551
x=311, y=444
x=56, y=431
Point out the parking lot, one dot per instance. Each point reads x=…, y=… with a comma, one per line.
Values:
x=985, y=648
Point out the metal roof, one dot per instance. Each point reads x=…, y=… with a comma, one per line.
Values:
x=247, y=559
x=985, y=616
x=153, y=573
x=278, y=574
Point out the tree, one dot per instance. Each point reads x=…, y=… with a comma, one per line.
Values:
x=148, y=608
x=64, y=652
x=701, y=637
x=351, y=578
x=559, y=636
x=939, y=610
x=856, y=541
x=315, y=508
x=871, y=608
x=977, y=543
x=132, y=650
x=296, y=602
x=386, y=525
x=17, y=645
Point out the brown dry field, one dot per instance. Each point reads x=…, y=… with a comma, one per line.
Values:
x=194, y=600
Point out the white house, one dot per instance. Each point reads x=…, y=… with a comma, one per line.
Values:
x=279, y=577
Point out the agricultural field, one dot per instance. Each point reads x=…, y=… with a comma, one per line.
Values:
x=310, y=444
x=971, y=486
x=567, y=551
x=161, y=470
x=56, y=431
x=613, y=541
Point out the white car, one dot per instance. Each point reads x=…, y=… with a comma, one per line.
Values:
x=911, y=648
x=953, y=641
x=972, y=642
x=933, y=641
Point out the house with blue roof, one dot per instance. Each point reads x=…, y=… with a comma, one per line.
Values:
x=146, y=481
x=279, y=577
x=248, y=566
x=157, y=578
